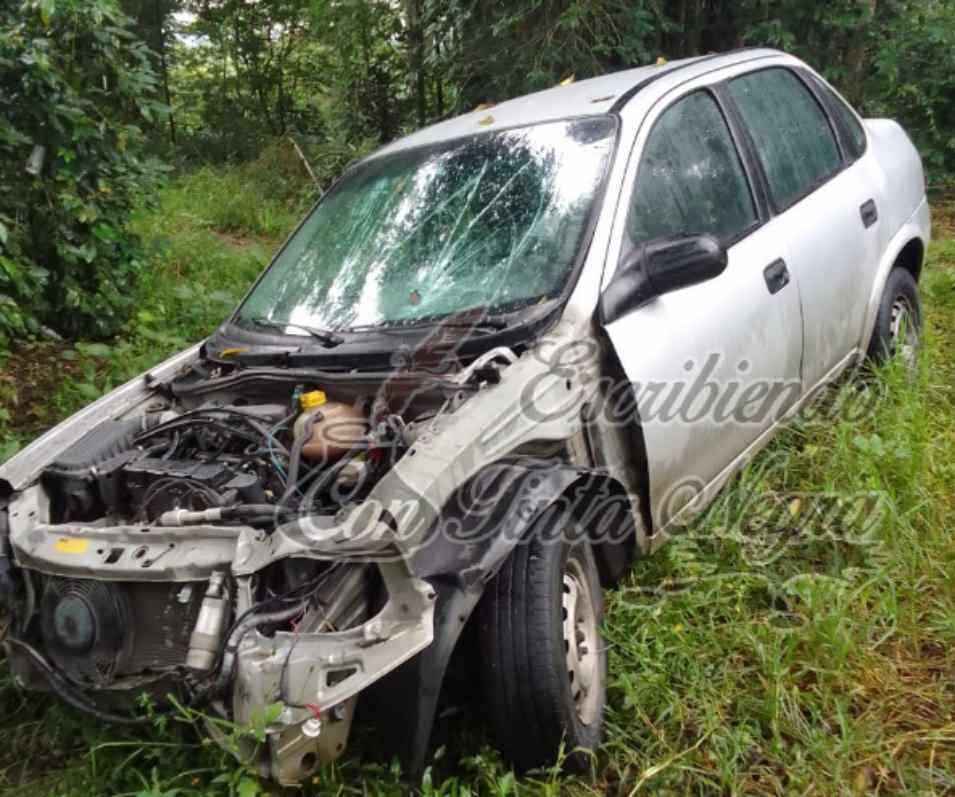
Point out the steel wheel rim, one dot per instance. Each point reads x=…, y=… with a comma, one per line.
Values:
x=902, y=331
x=580, y=642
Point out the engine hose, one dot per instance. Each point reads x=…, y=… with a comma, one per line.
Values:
x=295, y=459
x=201, y=415
x=256, y=513
x=252, y=617
x=198, y=423
x=66, y=692
x=245, y=510
x=240, y=630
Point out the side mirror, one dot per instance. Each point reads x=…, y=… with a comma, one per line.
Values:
x=658, y=267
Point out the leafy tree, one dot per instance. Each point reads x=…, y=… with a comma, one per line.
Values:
x=74, y=83
x=911, y=77
x=498, y=50
x=262, y=48
x=152, y=22
x=364, y=64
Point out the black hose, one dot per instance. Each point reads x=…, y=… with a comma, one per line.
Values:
x=295, y=459
x=66, y=692
x=186, y=423
x=249, y=619
x=255, y=513
x=294, y=594
x=240, y=629
x=187, y=418
x=177, y=436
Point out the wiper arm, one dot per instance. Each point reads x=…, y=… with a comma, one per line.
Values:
x=478, y=318
x=485, y=325
x=328, y=338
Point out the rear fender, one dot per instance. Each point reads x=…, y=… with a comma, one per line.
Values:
x=916, y=228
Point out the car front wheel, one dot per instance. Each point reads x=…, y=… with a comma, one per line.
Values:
x=543, y=662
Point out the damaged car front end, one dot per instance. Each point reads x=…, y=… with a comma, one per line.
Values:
x=310, y=504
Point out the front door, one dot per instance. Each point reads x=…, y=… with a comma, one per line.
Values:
x=713, y=366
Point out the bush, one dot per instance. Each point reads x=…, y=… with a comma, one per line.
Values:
x=912, y=80
x=74, y=81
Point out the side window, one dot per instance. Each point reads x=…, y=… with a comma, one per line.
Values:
x=792, y=134
x=690, y=179
x=853, y=133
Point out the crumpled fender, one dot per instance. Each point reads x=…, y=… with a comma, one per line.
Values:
x=476, y=532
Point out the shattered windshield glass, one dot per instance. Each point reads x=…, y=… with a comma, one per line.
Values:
x=495, y=221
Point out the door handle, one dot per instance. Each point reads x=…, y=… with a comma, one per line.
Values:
x=869, y=213
x=776, y=275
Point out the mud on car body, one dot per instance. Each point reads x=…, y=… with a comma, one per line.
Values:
x=431, y=414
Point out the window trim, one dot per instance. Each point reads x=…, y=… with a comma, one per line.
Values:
x=748, y=175
x=746, y=149
x=815, y=185
x=828, y=97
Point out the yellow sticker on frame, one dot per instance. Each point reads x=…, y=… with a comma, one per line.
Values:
x=72, y=545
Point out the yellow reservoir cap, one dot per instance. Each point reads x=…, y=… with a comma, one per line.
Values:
x=313, y=398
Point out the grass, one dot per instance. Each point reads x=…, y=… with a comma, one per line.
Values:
x=762, y=652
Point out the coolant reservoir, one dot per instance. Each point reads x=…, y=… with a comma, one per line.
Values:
x=337, y=428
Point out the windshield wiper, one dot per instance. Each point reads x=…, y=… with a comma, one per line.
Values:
x=327, y=338
x=483, y=325
x=478, y=318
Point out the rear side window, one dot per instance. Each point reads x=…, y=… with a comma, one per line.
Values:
x=852, y=132
x=792, y=134
x=691, y=180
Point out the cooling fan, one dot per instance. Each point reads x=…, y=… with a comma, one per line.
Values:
x=85, y=628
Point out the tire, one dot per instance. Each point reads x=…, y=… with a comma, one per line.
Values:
x=537, y=695
x=898, y=321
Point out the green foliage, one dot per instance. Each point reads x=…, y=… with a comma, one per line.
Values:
x=260, y=47
x=249, y=72
x=73, y=84
x=536, y=43
x=912, y=79
x=344, y=71
x=366, y=65
x=195, y=271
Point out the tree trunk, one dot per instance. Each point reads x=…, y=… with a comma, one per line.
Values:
x=439, y=85
x=856, y=53
x=416, y=58
x=695, y=33
x=163, y=65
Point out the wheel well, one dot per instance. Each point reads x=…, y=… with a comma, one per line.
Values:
x=910, y=258
x=600, y=504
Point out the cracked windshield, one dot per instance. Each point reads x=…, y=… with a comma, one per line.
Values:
x=494, y=220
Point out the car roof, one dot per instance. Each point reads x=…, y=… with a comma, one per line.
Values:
x=592, y=96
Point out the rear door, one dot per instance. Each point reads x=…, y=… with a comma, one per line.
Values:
x=825, y=214
x=713, y=365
